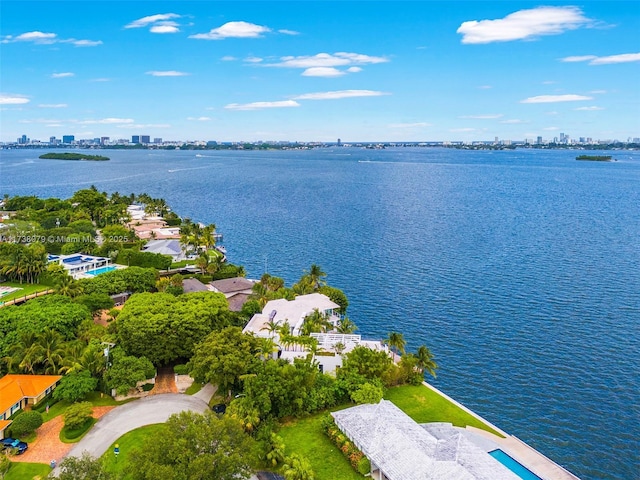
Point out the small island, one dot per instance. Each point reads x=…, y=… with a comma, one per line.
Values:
x=595, y=158
x=73, y=156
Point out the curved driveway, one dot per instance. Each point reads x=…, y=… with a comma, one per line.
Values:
x=120, y=420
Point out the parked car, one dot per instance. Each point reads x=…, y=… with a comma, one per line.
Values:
x=219, y=408
x=15, y=445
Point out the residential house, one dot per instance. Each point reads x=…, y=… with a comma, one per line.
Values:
x=81, y=265
x=19, y=391
x=236, y=290
x=401, y=449
x=173, y=248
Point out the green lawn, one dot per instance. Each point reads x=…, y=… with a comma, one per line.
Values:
x=26, y=289
x=96, y=399
x=126, y=443
x=194, y=388
x=305, y=437
x=424, y=406
x=26, y=471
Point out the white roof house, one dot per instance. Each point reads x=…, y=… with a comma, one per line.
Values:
x=400, y=449
x=173, y=248
x=292, y=311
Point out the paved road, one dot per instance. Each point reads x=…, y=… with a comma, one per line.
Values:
x=120, y=420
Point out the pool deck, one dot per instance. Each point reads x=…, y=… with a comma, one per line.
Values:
x=528, y=456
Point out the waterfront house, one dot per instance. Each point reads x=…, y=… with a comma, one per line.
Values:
x=19, y=391
x=401, y=449
x=172, y=248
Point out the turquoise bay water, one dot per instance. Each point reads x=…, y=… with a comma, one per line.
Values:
x=520, y=270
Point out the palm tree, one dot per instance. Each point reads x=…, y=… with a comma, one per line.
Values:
x=266, y=347
x=50, y=346
x=202, y=262
x=68, y=287
x=23, y=355
x=346, y=326
x=272, y=327
x=316, y=276
x=396, y=342
x=425, y=361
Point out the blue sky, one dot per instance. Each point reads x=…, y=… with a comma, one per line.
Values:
x=318, y=71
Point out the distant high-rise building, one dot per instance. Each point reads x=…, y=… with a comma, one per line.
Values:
x=539, y=140
x=339, y=142
x=68, y=138
x=52, y=140
x=23, y=140
x=157, y=140
x=135, y=138
x=104, y=140
x=145, y=139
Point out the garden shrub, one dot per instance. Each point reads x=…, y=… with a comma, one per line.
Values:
x=364, y=466
x=148, y=387
x=181, y=369
x=26, y=423
x=77, y=414
x=349, y=450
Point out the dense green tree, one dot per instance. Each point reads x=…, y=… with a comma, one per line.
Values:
x=125, y=371
x=336, y=295
x=367, y=393
x=371, y=364
x=26, y=423
x=297, y=467
x=5, y=464
x=163, y=327
x=196, y=447
x=67, y=286
x=133, y=279
x=223, y=357
x=82, y=468
x=75, y=386
x=77, y=414
x=95, y=302
x=346, y=326
x=91, y=201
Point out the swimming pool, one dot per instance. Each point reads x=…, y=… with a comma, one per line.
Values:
x=513, y=465
x=100, y=270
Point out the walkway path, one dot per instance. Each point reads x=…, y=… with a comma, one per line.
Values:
x=47, y=445
x=165, y=382
x=146, y=411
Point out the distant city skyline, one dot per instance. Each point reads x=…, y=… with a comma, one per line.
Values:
x=319, y=71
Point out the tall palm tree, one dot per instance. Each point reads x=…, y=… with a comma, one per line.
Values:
x=346, y=326
x=51, y=348
x=315, y=277
x=272, y=327
x=396, y=342
x=425, y=361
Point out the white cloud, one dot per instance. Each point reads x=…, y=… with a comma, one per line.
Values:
x=87, y=43
x=36, y=37
x=252, y=59
x=233, y=30
x=555, y=98
x=107, y=121
x=339, y=94
x=589, y=109
x=338, y=59
x=523, y=24
x=550, y=129
x=164, y=29
x=354, y=69
x=167, y=73
x=43, y=38
x=199, y=119
x=608, y=60
x=622, y=58
x=228, y=58
x=62, y=75
x=53, y=105
x=578, y=58
x=462, y=130
x=549, y=82
x=410, y=125
x=13, y=99
x=144, y=21
x=483, y=117
x=512, y=121
x=284, y=31
x=323, y=72
x=261, y=105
